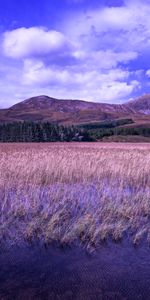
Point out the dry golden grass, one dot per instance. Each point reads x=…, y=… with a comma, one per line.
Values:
x=69, y=192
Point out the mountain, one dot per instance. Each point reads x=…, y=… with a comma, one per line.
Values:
x=44, y=108
x=141, y=104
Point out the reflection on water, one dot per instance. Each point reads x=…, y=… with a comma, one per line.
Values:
x=114, y=272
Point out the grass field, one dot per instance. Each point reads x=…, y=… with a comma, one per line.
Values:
x=68, y=192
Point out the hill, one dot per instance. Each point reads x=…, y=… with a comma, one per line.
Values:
x=66, y=112
x=141, y=104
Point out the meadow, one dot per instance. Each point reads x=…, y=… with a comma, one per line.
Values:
x=74, y=192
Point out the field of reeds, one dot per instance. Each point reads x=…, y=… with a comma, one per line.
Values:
x=74, y=192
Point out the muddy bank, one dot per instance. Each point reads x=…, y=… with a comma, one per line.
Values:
x=115, y=272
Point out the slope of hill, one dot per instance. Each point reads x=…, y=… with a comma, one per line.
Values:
x=44, y=108
x=141, y=104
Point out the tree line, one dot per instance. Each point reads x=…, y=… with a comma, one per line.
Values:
x=48, y=132
x=98, y=134
x=107, y=124
x=41, y=132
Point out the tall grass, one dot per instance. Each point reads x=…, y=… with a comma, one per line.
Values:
x=83, y=192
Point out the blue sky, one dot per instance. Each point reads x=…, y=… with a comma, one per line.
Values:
x=76, y=49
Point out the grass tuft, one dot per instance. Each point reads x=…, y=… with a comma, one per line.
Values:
x=74, y=192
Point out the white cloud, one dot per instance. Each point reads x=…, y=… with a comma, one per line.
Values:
x=148, y=73
x=90, y=58
x=109, y=86
x=103, y=59
x=125, y=27
x=87, y=84
x=34, y=41
x=36, y=73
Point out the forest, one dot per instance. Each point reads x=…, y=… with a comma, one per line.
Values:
x=49, y=132
x=41, y=132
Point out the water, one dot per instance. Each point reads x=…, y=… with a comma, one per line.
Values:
x=115, y=272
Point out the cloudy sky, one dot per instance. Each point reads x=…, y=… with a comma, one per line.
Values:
x=95, y=50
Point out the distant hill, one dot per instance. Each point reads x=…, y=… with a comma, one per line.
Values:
x=66, y=112
x=141, y=104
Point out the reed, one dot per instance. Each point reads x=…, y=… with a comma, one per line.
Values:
x=67, y=192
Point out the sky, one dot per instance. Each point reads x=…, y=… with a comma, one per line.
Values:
x=95, y=50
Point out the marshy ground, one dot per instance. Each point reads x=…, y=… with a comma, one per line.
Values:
x=116, y=272
x=80, y=195
x=74, y=192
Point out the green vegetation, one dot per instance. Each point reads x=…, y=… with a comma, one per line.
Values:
x=41, y=132
x=106, y=124
x=114, y=128
x=50, y=132
x=121, y=131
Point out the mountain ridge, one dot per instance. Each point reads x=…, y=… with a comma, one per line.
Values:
x=44, y=108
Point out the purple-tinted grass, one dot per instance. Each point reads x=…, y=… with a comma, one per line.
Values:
x=74, y=192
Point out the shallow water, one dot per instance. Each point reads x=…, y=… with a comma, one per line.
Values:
x=114, y=272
